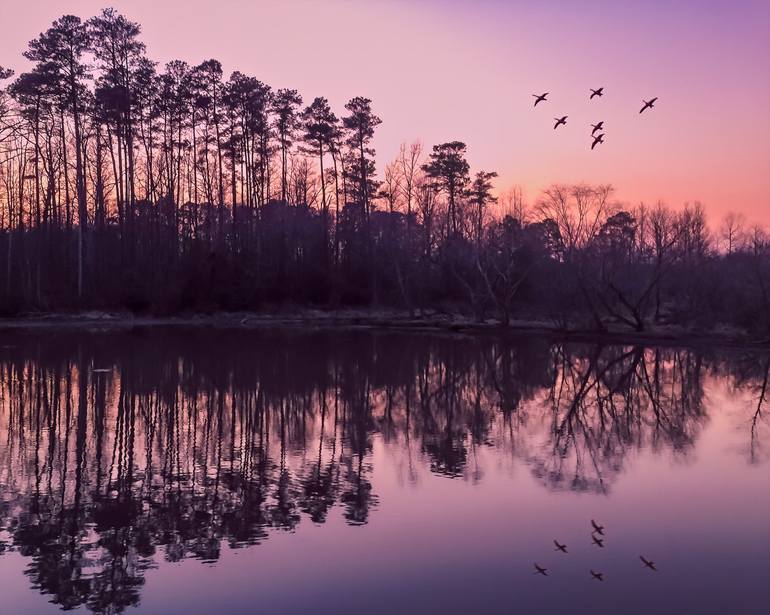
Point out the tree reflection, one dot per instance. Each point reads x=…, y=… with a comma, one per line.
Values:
x=611, y=399
x=190, y=441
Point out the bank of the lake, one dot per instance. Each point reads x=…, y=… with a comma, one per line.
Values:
x=426, y=320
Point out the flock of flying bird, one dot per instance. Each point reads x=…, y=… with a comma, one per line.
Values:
x=648, y=104
x=597, y=538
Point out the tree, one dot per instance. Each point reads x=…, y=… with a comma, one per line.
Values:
x=286, y=102
x=512, y=204
x=59, y=52
x=172, y=104
x=320, y=129
x=248, y=101
x=119, y=52
x=480, y=194
x=35, y=92
x=209, y=74
x=5, y=73
x=391, y=186
x=449, y=168
x=409, y=159
x=578, y=210
x=360, y=125
x=732, y=232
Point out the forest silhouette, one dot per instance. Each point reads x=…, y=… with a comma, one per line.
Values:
x=120, y=450
x=164, y=190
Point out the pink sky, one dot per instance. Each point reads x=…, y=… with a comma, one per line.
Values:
x=443, y=70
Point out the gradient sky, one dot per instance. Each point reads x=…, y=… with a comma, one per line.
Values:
x=440, y=70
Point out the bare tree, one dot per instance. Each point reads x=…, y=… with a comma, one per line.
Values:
x=732, y=232
x=579, y=211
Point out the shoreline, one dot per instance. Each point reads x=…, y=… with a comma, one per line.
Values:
x=391, y=320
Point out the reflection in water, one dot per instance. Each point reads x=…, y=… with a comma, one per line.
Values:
x=118, y=452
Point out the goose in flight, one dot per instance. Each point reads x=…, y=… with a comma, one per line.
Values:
x=599, y=93
x=559, y=120
x=539, y=98
x=560, y=547
x=648, y=563
x=599, y=576
x=596, y=127
x=599, y=542
x=597, y=140
x=599, y=529
x=648, y=104
x=541, y=570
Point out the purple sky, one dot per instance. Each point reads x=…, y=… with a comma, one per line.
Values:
x=443, y=70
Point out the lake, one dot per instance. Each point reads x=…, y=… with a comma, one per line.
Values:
x=201, y=471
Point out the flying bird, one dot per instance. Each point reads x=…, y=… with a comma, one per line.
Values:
x=597, y=140
x=599, y=93
x=539, y=98
x=599, y=529
x=648, y=104
x=597, y=541
x=541, y=570
x=560, y=547
x=648, y=563
x=559, y=120
x=596, y=127
x=599, y=576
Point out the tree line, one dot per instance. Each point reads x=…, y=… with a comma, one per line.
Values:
x=125, y=185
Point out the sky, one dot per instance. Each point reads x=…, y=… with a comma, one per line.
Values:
x=444, y=70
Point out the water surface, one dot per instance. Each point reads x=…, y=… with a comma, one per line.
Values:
x=203, y=471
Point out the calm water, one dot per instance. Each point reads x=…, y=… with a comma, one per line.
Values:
x=243, y=472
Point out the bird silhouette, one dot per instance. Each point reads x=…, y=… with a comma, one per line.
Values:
x=559, y=120
x=539, y=98
x=596, y=127
x=648, y=563
x=597, y=140
x=648, y=104
x=599, y=529
x=560, y=547
x=541, y=570
x=597, y=541
x=599, y=576
x=599, y=93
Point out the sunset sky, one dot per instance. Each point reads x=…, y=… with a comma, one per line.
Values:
x=441, y=70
